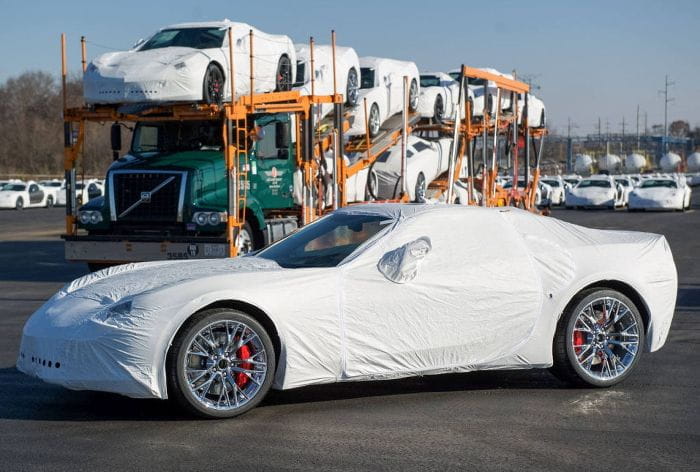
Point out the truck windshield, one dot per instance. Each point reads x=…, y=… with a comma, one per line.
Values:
x=173, y=136
x=325, y=243
x=197, y=38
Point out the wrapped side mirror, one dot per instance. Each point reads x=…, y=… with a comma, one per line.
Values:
x=402, y=264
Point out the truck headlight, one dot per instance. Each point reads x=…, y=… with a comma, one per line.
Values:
x=213, y=218
x=89, y=217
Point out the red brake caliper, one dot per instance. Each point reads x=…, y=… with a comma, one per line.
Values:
x=241, y=378
x=579, y=339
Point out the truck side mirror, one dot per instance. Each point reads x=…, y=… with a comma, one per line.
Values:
x=282, y=135
x=116, y=140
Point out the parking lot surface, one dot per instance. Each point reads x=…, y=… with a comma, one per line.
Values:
x=480, y=421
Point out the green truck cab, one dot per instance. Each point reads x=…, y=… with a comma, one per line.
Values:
x=172, y=186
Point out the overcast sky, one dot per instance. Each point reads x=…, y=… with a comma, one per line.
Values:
x=591, y=59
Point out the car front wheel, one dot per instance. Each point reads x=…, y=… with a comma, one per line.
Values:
x=374, y=121
x=439, y=109
x=284, y=75
x=352, y=88
x=213, y=85
x=599, y=339
x=221, y=364
x=19, y=204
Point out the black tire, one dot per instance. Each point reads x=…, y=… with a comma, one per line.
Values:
x=283, y=80
x=421, y=188
x=374, y=121
x=565, y=366
x=49, y=202
x=413, y=95
x=439, y=109
x=352, y=89
x=178, y=385
x=213, y=92
x=19, y=204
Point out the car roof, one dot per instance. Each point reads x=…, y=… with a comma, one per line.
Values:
x=225, y=23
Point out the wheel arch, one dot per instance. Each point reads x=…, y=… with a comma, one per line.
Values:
x=622, y=287
x=221, y=68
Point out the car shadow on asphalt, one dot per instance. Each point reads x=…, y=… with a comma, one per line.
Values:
x=26, y=398
x=40, y=261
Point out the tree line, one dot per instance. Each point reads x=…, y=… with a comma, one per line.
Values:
x=31, y=131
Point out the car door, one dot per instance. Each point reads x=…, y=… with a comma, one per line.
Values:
x=474, y=299
x=36, y=195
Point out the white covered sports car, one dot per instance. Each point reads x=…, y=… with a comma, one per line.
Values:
x=25, y=195
x=558, y=186
x=476, y=86
x=190, y=62
x=347, y=73
x=439, y=94
x=425, y=161
x=381, y=83
x=599, y=191
x=663, y=193
x=398, y=290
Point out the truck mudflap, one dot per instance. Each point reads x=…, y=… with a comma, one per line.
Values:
x=117, y=251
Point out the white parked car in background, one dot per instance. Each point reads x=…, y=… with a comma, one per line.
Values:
x=571, y=180
x=595, y=191
x=662, y=193
x=558, y=186
x=439, y=94
x=425, y=161
x=190, y=62
x=347, y=73
x=627, y=185
x=381, y=83
x=25, y=195
x=54, y=188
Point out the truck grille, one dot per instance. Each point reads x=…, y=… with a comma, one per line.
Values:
x=146, y=197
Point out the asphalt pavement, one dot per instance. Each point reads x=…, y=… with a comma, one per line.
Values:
x=510, y=420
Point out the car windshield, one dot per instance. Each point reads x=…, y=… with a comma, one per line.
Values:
x=175, y=136
x=325, y=243
x=594, y=183
x=15, y=187
x=366, y=77
x=659, y=183
x=197, y=38
x=429, y=81
x=553, y=183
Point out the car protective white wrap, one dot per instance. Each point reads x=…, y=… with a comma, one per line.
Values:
x=665, y=194
x=365, y=318
x=177, y=73
x=595, y=191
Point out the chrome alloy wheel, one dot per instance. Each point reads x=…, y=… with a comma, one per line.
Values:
x=244, y=242
x=225, y=365
x=605, y=338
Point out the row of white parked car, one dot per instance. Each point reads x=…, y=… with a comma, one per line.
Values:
x=190, y=62
x=17, y=194
x=636, y=192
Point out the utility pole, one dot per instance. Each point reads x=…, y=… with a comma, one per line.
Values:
x=646, y=129
x=637, y=126
x=623, y=127
x=600, y=134
x=667, y=84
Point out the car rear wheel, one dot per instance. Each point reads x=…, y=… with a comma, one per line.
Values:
x=49, y=202
x=284, y=75
x=599, y=339
x=221, y=364
x=413, y=96
x=213, y=85
x=374, y=122
x=353, y=88
x=419, y=192
x=19, y=204
x=439, y=109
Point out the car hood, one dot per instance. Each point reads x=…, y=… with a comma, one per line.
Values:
x=122, y=63
x=82, y=299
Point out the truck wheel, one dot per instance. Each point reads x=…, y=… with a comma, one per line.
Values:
x=245, y=242
x=221, y=364
x=213, y=85
x=19, y=204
